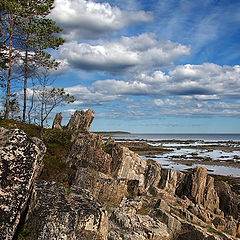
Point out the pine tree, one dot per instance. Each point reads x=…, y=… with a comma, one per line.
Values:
x=10, y=12
x=28, y=31
x=38, y=34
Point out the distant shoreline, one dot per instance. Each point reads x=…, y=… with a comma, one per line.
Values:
x=112, y=132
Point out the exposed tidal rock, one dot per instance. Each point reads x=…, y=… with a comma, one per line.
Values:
x=20, y=164
x=57, y=214
x=199, y=188
x=229, y=201
x=152, y=174
x=57, y=122
x=81, y=121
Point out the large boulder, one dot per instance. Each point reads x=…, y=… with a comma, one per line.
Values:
x=81, y=121
x=20, y=164
x=57, y=122
x=57, y=213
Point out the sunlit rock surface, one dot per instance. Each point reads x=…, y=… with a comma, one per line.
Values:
x=20, y=164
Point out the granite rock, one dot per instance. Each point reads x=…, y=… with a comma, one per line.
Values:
x=57, y=213
x=20, y=164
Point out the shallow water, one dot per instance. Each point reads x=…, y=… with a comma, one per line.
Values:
x=183, y=150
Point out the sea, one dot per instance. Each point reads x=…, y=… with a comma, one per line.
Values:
x=199, y=139
x=192, y=136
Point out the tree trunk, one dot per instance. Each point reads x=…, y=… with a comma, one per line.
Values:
x=7, y=106
x=25, y=81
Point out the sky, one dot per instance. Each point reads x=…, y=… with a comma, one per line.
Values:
x=144, y=66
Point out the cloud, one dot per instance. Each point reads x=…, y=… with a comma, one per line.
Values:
x=205, y=82
x=82, y=19
x=85, y=96
x=194, y=107
x=125, y=54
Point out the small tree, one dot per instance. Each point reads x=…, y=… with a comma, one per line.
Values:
x=51, y=99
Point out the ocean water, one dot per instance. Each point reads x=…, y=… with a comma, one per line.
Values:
x=199, y=139
x=158, y=136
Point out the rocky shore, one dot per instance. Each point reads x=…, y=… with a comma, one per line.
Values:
x=112, y=193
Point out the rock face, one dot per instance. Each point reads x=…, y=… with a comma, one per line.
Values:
x=127, y=224
x=127, y=165
x=86, y=152
x=57, y=122
x=199, y=188
x=20, y=164
x=57, y=213
x=81, y=121
x=103, y=187
x=229, y=201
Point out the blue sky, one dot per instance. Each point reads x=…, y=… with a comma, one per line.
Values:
x=163, y=66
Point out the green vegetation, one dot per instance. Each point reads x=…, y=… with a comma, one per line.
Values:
x=58, y=144
x=26, y=36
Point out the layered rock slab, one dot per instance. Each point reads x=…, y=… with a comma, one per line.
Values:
x=20, y=164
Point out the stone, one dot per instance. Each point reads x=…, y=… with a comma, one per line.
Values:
x=104, y=188
x=199, y=188
x=194, y=184
x=86, y=152
x=168, y=180
x=161, y=204
x=219, y=223
x=152, y=174
x=81, y=121
x=229, y=202
x=20, y=164
x=57, y=122
x=57, y=214
x=127, y=165
x=231, y=226
x=127, y=223
x=211, y=199
x=191, y=231
x=173, y=224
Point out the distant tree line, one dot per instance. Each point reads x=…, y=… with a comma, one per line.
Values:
x=26, y=36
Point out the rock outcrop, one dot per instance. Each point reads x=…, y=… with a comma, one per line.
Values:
x=20, y=164
x=113, y=194
x=81, y=121
x=57, y=122
x=199, y=187
x=127, y=224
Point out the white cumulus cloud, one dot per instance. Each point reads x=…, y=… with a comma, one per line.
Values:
x=125, y=54
x=205, y=82
x=83, y=19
